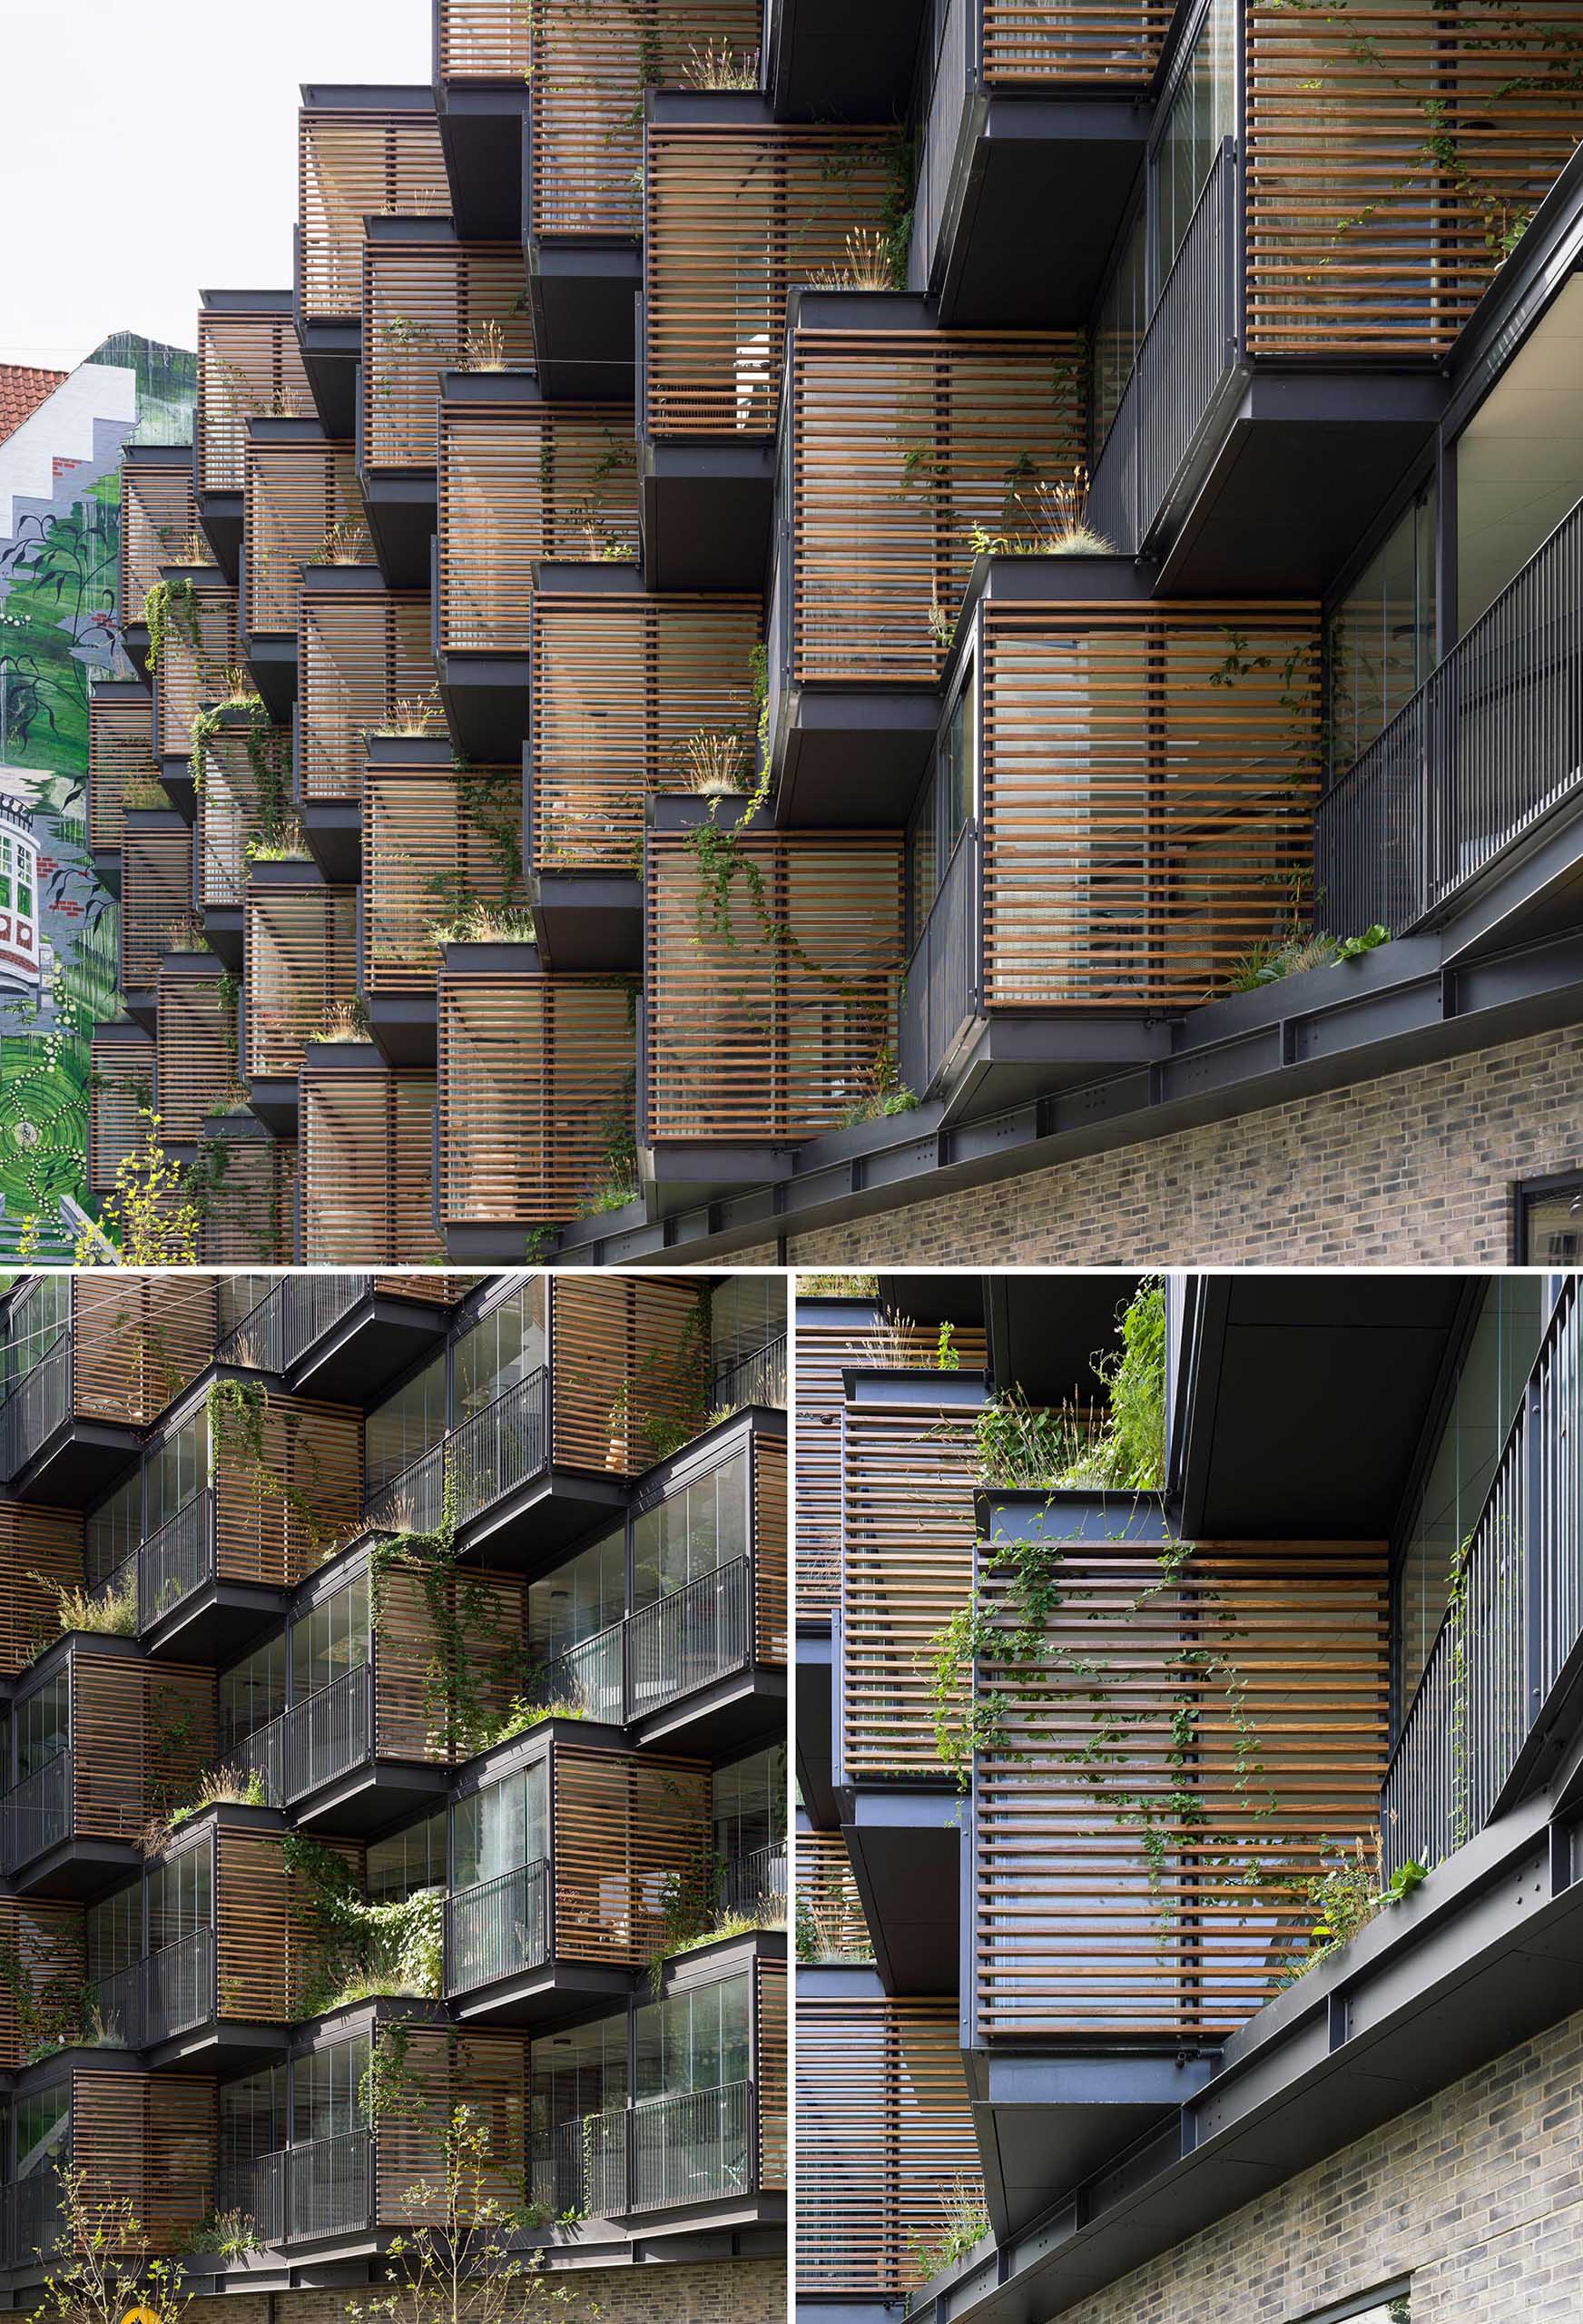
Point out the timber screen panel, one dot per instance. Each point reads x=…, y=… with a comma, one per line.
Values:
x=242, y=795
x=159, y=525
x=156, y=898
x=201, y=653
x=625, y=1830
x=121, y=1086
x=120, y=750
x=247, y=1217
x=435, y=842
x=250, y=366
x=426, y=310
x=300, y=946
x=628, y=1358
x=367, y=1165
x=367, y=667
x=353, y=165
x=304, y=507
x=196, y=1065
x=486, y=40
x=138, y=1343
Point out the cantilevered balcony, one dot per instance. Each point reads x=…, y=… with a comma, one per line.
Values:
x=121, y=753
x=202, y=650
x=250, y=366
x=825, y=61
x=159, y=528
x=1034, y=118
x=299, y=946
x=483, y=72
x=111, y=2117
x=248, y=1220
x=366, y=1150
x=101, y=1366
x=343, y=1337
x=902, y=445
x=631, y=692
x=121, y=1090
x=367, y=670
x=196, y=1038
x=1464, y=809
x=243, y=781
x=156, y=901
x=361, y=153
x=739, y=209
x=303, y=506
x=1121, y=811
x=432, y=304
x=520, y=479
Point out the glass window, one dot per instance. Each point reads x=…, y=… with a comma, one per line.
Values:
x=114, y=1931
x=177, y=1470
x=252, y=1693
x=330, y=1640
x=43, y=1724
x=1200, y=114
x=692, y=1532
x=696, y=2040
x=746, y=1314
x=1119, y=325
x=578, y=2072
x=113, y=1531
x=252, y=2117
x=237, y=1295
x=1519, y=459
x=749, y=1804
x=944, y=811
x=44, y=2120
x=406, y=1426
x=409, y=1860
x=1380, y=638
x=1549, y=1222
x=503, y=1826
x=181, y=1896
x=579, y=1599
x=328, y=2091
x=38, y=1316
x=503, y=1348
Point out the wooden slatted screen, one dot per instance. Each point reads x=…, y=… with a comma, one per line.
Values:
x=300, y=949
x=278, y=1526
x=885, y=2141
x=1394, y=156
x=250, y=366
x=766, y=1037
x=536, y=1076
x=625, y=1351
x=769, y=2041
x=149, y=2141
x=830, y=1920
x=445, y=2067
x=622, y=684
x=159, y=524
x=41, y=1994
x=435, y=839
x=625, y=1829
x=304, y=507
x=906, y=447
x=910, y=1474
x=368, y=1165
x=429, y=310
x=366, y=665
x=736, y=215
x=248, y=1218
x=1043, y=43
x=519, y=482
x=156, y=896
x=590, y=69
x=768, y=1548
x=486, y=40
x=138, y=1343
x=195, y=1059
x=121, y=1085
x=353, y=165
x=142, y=1735
x=41, y=1551
x=1149, y=779
x=268, y=1938
x=120, y=749
x=1165, y=1779
x=244, y=795
x=823, y=1350
x=414, y=1721
x=200, y=653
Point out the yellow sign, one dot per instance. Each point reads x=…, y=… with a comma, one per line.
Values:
x=140, y=2316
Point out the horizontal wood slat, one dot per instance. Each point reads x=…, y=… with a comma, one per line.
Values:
x=537, y=1077
x=142, y=1734
x=247, y=1217
x=770, y=1593
x=367, y=1165
x=486, y=40
x=41, y=1552
x=770, y=2071
x=1166, y=1778
x=427, y=310
x=735, y=216
x=156, y=896
x=121, y=1086
x=1149, y=779
x=1045, y=42
x=300, y=949
x=268, y=1938
x=250, y=366
x=767, y=1036
x=828, y=1919
x=138, y=1343
x=444, y=2068
x=435, y=840
x=149, y=2142
x=159, y=524
x=907, y=1567
x=885, y=2145
x=625, y=1830
x=519, y=482
x=590, y=66
x=243, y=793
x=45, y=1971
x=414, y=1718
x=200, y=653
x=195, y=1055
x=303, y=505
x=367, y=667
x=1393, y=159
x=277, y=1524
x=120, y=749
x=621, y=686
x=352, y=165
x=904, y=442
x=627, y=1352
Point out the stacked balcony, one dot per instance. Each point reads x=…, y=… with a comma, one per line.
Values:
x=100, y=1363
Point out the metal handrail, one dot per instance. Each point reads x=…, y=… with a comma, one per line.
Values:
x=502, y=1445
x=313, y=1742
x=690, y=1637
x=498, y=1926
x=177, y=1559
x=756, y=1378
x=692, y=2148
x=36, y=1814
x=39, y=1404
x=940, y=987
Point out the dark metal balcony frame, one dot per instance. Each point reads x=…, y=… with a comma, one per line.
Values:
x=403, y=502
x=584, y=290
x=220, y=512
x=271, y=654
x=338, y=1336
x=485, y=691
x=50, y=1454
x=484, y=130
x=48, y=1856
x=134, y=631
x=221, y=922
x=823, y=60
x=141, y=1001
x=404, y=1025
x=583, y=920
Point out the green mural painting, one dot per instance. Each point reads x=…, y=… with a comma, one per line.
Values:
x=60, y=530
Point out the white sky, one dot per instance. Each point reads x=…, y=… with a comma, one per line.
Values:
x=149, y=151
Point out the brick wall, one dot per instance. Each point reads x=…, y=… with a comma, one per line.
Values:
x=1475, y=2195
x=1414, y=1167
x=731, y=2292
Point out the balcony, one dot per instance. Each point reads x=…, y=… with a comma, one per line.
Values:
x=361, y=153
x=483, y=70
x=432, y=304
x=250, y=366
x=1478, y=774
x=1035, y=119
x=159, y=528
x=156, y=901
x=367, y=670
x=903, y=444
x=366, y=1149
x=345, y=1337
x=823, y=59
x=121, y=1089
x=41, y=1554
x=303, y=506
x=631, y=693
x=536, y=1096
x=73, y=1421
x=118, y=2119
x=244, y=781
x=120, y=750
x=320, y=1741
x=201, y=649
x=196, y=1042
x=437, y=840
x=299, y=949
x=732, y=198
x=765, y=1027
x=304, y=2193
x=488, y=1457
x=520, y=479
x=756, y=1378
x=249, y=1218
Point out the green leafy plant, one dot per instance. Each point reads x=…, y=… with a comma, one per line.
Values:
x=111, y=1613
x=364, y=1950
x=1346, y=1895
x=102, y=2266
x=1296, y=952
x=965, y=2223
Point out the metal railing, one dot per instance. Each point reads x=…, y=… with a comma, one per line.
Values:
x=118, y=2005
x=177, y=1559
x=330, y=2185
x=948, y=70
x=691, y=2148
x=941, y=991
x=1514, y=1623
x=581, y=2167
x=39, y=1404
x=755, y=1884
x=589, y=1678
x=697, y=1634
x=1186, y=355
x=497, y=1927
x=257, y=2190
x=290, y=1319
x=326, y=1736
x=758, y=1378
x=35, y=2217
x=179, y=1987
x=485, y=1457
x=1490, y=744
x=36, y=1813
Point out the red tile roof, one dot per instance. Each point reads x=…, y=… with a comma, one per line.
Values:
x=21, y=390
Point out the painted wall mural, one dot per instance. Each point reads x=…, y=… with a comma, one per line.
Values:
x=60, y=536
